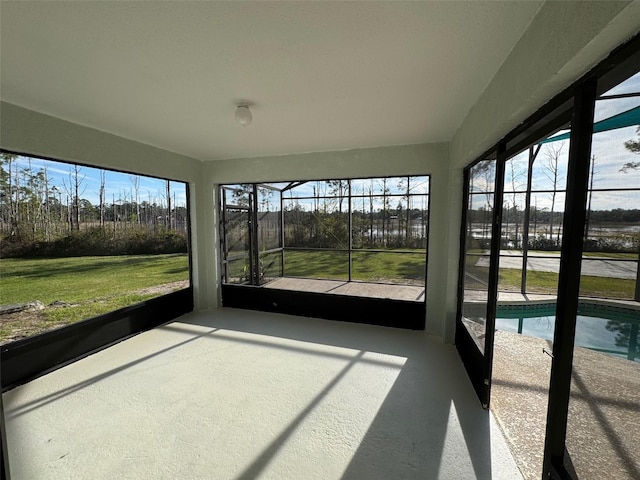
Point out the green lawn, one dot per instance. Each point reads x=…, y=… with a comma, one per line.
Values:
x=547, y=282
x=90, y=285
x=385, y=266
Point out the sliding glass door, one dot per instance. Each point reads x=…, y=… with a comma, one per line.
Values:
x=549, y=279
x=478, y=271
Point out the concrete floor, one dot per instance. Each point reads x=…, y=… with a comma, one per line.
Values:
x=602, y=432
x=235, y=394
x=410, y=293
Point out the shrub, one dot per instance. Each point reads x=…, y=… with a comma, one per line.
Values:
x=97, y=241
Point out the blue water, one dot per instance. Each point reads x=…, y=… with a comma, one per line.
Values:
x=598, y=327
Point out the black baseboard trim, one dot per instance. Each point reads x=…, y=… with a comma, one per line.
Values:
x=29, y=358
x=373, y=311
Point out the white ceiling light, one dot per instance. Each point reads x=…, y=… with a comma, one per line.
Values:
x=243, y=115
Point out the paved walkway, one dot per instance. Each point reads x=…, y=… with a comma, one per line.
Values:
x=592, y=266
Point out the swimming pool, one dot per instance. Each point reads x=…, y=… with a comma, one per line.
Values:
x=604, y=328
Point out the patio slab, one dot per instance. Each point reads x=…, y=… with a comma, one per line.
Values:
x=603, y=429
x=236, y=394
x=408, y=293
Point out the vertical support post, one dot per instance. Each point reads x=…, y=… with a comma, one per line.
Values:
x=255, y=250
x=527, y=218
x=637, y=293
x=494, y=264
x=223, y=236
x=282, y=230
x=569, y=277
x=350, y=225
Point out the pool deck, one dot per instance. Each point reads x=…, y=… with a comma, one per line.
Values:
x=516, y=298
x=605, y=398
x=603, y=429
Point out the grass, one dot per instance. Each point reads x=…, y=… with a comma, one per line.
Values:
x=78, y=279
x=547, y=282
x=97, y=285
x=91, y=285
x=366, y=266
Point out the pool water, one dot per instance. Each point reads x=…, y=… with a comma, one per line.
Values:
x=603, y=328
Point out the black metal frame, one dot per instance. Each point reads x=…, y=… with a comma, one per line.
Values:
x=4, y=459
x=470, y=354
x=494, y=266
x=350, y=249
x=577, y=101
x=396, y=313
x=569, y=278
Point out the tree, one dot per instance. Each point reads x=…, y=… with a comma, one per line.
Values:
x=551, y=170
x=385, y=208
x=135, y=180
x=590, y=193
x=516, y=172
x=371, y=245
x=338, y=189
x=483, y=173
x=405, y=184
x=634, y=147
x=75, y=188
x=9, y=191
x=47, y=205
x=168, y=204
x=101, y=197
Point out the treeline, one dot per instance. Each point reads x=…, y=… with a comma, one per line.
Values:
x=40, y=217
x=95, y=241
x=616, y=215
x=382, y=229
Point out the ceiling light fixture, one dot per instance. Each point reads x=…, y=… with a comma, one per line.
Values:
x=243, y=115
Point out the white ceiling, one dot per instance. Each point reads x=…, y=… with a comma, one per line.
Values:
x=319, y=75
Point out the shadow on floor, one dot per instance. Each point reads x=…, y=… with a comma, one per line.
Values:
x=245, y=395
x=427, y=419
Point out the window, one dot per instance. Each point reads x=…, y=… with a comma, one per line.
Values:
x=372, y=230
x=77, y=242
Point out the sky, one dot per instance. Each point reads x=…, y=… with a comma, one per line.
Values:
x=117, y=185
x=302, y=195
x=607, y=149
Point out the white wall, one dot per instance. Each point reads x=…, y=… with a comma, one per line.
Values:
x=422, y=159
x=26, y=131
